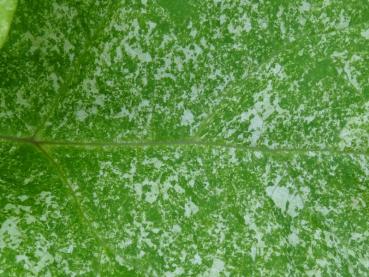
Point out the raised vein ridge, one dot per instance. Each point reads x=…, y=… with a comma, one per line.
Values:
x=184, y=142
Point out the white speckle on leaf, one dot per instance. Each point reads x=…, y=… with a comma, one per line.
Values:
x=122, y=113
x=196, y=259
x=344, y=21
x=281, y=197
x=89, y=85
x=20, y=100
x=177, y=272
x=99, y=100
x=247, y=26
x=120, y=260
x=350, y=73
x=144, y=103
x=23, y=197
x=253, y=252
x=157, y=163
x=10, y=236
x=153, y=193
x=55, y=81
x=217, y=267
x=69, y=249
x=256, y=126
x=305, y=6
x=30, y=219
x=354, y=130
x=81, y=115
x=190, y=208
x=187, y=118
x=293, y=239
x=263, y=23
x=365, y=33
x=68, y=47
x=278, y=71
x=137, y=53
x=364, y=262
x=176, y=228
x=264, y=107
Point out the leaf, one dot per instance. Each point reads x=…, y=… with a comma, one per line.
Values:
x=180, y=138
x=7, y=8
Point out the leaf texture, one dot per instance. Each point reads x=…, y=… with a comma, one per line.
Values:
x=185, y=138
x=7, y=8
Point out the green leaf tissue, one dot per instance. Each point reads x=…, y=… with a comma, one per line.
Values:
x=7, y=8
x=184, y=138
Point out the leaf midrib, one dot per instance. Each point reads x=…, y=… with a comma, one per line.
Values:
x=191, y=141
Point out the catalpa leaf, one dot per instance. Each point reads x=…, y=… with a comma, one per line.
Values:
x=185, y=138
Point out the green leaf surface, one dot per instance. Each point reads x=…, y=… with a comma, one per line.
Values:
x=185, y=138
x=7, y=8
